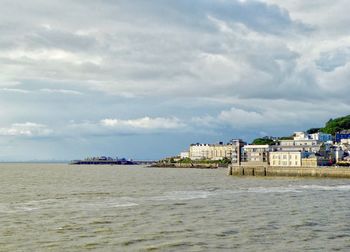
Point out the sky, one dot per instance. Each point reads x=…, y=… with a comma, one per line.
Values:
x=144, y=79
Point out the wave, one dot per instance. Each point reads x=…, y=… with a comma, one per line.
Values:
x=27, y=209
x=130, y=204
x=326, y=188
x=121, y=202
x=110, y=203
x=272, y=190
x=182, y=195
x=299, y=188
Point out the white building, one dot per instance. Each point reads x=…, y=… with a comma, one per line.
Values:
x=307, y=145
x=300, y=135
x=255, y=154
x=184, y=154
x=319, y=136
x=285, y=158
x=237, y=147
x=345, y=141
x=210, y=151
x=339, y=154
x=322, y=137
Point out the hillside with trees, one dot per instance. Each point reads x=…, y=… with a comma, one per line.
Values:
x=263, y=141
x=331, y=127
x=335, y=125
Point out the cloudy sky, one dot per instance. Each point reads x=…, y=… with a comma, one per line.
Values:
x=145, y=78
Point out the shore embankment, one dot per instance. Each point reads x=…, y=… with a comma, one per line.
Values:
x=186, y=165
x=319, y=172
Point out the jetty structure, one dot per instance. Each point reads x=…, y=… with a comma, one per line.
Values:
x=109, y=161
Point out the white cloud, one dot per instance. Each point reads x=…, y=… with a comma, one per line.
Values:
x=61, y=91
x=263, y=114
x=51, y=55
x=28, y=129
x=147, y=123
x=15, y=90
x=43, y=90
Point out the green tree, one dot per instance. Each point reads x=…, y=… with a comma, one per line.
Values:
x=313, y=130
x=263, y=141
x=337, y=124
x=286, y=138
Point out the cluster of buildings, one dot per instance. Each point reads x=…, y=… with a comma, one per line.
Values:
x=303, y=150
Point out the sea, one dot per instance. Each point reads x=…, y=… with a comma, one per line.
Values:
x=60, y=207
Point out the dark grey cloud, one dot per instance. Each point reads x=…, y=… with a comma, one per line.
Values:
x=147, y=47
x=203, y=65
x=328, y=61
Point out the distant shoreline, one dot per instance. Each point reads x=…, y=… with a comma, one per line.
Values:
x=34, y=162
x=187, y=165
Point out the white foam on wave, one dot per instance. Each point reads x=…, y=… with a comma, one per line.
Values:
x=120, y=202
x=27, y=209
x=27, y=206
x=298, y=188
x=34, y=205
x=16, y=209
x=110, y=203
x=129, y=204
x=182, y=195
x=326, y=187
x=273, y=190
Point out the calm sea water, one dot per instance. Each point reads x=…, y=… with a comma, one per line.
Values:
x=56, y=207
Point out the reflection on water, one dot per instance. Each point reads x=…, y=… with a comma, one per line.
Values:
x=109, y=208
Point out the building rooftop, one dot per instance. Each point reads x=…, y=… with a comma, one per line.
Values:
x=297, y=140
x=215, y=144
x=344, y=132
x=256, y=146
x=287, y=151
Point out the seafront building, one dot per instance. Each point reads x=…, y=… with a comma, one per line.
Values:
x=307, y=145
x=319, y=136
x=256, y=155
x=322, y=137
x=345, y=134
x=185, y=154
x=297, y=159
x=303, y=150
x=237, y=150
x=286, y=158
x=345, y=141
x=210, y=151
x=314, y=160
x=300, y=135
x=339, y=154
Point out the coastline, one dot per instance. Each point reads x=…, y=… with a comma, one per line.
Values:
x=268, y=171
x=186, y=165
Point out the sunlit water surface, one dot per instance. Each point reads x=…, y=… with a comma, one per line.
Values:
x=57, y=207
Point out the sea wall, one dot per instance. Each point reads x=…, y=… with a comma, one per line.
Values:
x=325, y=172
x=186, y=165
